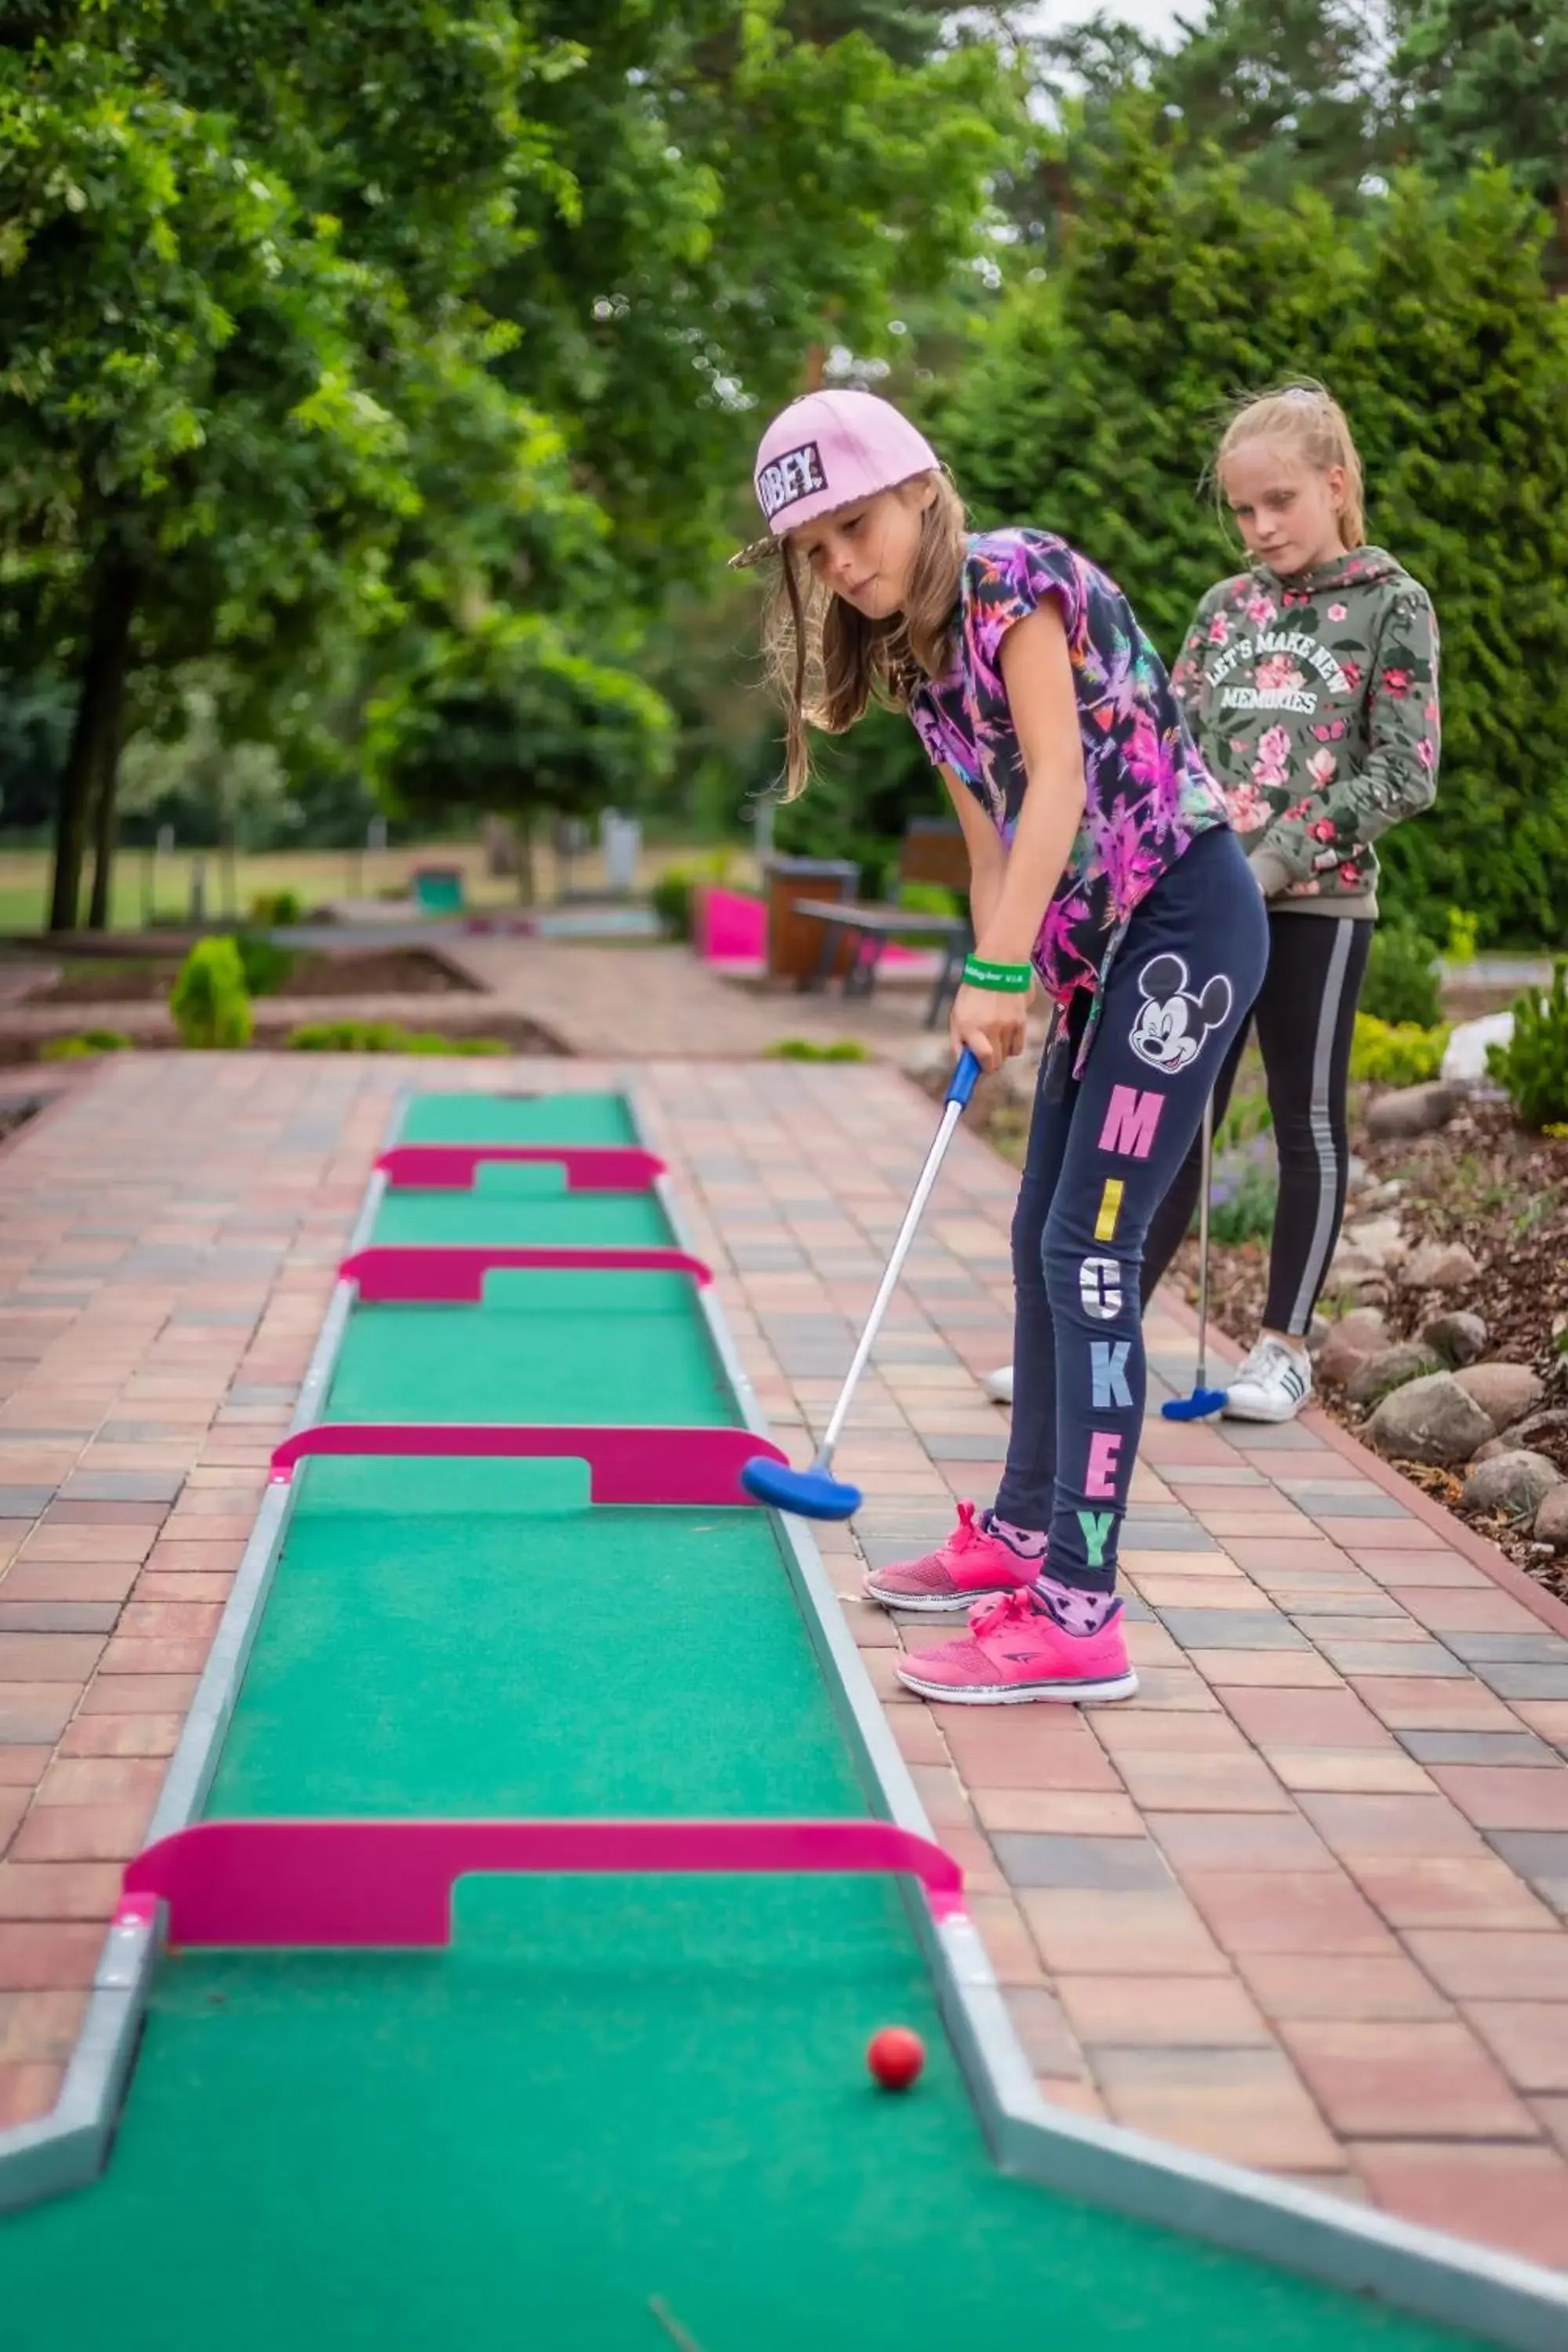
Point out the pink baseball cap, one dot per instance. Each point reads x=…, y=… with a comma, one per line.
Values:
x=829, y=450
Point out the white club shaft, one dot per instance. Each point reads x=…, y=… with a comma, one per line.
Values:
x=921, y=1195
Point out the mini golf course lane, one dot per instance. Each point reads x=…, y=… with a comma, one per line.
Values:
x=610, y=2097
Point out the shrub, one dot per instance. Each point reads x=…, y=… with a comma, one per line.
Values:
x=210, y=1001
x=929, y=898
x=384, y=1037
x=91, y=1041
x=1402, y=983
x=266, y=967
x=1396, y=1053
x=672, y=901
x=271, y=908
x=803, y=1049
x=1243, y=1198
x=1464, y=937
x=1532, y=1068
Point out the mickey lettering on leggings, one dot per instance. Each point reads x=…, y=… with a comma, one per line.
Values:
x=1100, y=1287
x=1173, y=1022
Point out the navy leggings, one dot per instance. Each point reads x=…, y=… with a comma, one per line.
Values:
x=1104, y=1151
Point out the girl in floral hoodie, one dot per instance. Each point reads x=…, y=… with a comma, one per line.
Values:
x=1310, y=684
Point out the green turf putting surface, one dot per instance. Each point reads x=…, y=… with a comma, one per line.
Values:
x=544, y=1347
x=473, y=1637
x=523, y=1205
x=606, y=2092
x=517, y=1119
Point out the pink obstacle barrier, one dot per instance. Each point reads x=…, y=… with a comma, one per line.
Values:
x=425, y=1273
x=590, y=1167
x=697, y=1467
x=314, y=1884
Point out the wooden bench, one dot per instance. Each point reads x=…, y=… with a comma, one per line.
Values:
x=931, y=851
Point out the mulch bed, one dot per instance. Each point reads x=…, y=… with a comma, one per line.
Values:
x=518, y=1035
x=317, y=973
x=1485, y=1182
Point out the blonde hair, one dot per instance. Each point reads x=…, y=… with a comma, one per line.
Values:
x=1308, y=416
x=827, y=663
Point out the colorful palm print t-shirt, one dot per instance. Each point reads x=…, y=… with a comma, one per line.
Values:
x=1148, y=793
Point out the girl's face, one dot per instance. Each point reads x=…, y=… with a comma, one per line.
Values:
x=1289, y=512
x=866, y=553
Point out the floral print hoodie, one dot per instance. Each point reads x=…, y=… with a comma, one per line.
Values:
x=1314, y=701
x=1147, y=792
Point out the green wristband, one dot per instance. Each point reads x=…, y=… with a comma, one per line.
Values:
x=1008, y=978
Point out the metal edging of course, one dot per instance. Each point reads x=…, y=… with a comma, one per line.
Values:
x=1426, y=2273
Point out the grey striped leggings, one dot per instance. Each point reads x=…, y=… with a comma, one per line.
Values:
x=1305, y=1015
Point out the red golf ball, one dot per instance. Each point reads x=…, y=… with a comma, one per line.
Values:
x=895, y=2057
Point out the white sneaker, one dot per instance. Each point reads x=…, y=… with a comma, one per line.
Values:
x=1270, y=1384
x=998, y=1386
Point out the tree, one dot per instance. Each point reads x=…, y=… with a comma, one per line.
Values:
x=1487, y=82
x=510, y=719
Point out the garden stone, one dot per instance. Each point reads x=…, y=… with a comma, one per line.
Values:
x=1378, y=1240
x=1552, y=1518
x=1430, y=1419
x=1438, y=1265
x=1496, y=1446
x=1413, y=1111
x=1505, y=1393
x=1349, y=1343
x=1391, y=1368
x=1517, y=1483
x=1459, y=1338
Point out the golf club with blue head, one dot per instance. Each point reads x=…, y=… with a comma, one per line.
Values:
x=1204, y=1404
x=817, y=1494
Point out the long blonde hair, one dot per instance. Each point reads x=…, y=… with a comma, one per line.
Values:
x=1307, y=414
x=827, y=663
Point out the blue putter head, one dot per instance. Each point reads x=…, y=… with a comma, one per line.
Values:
x=809, y=1493
x=1203, y=1404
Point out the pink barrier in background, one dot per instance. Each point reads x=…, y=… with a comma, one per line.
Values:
x=590, y=1167
x=453, y=1275
x=311, y=1885
x=730, y=929
x=694, y=1467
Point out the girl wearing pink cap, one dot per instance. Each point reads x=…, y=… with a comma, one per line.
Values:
x=1103, y=864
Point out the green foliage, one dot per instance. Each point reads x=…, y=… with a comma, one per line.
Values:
x=510, y=718
x=1532, y=1068
x=384, y=1037
x=276, y=910
x=1396, y=1053
x=803, y=1049
x=670, y=899
x=929, y=898
x=1489, y=79
x=1463, y=937
x=210, y=1004
x=1243, y=1200
x=265, y=967
x=1094, y=407
x=90, y=1041
x=1402, y=983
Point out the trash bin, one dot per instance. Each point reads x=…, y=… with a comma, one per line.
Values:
x=795, y=941
x=438, y=889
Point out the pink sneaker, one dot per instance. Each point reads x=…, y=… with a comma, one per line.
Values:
x=970, y=1566
x=1016, y=1650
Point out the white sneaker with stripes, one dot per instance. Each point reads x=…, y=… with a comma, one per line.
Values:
x=1270, y=1384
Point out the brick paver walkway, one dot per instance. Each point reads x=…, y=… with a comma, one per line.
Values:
x=1301, y=1903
